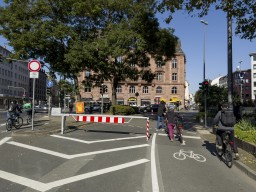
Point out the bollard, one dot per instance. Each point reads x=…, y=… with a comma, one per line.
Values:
x=147, y=129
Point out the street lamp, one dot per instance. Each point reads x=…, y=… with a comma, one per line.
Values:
x=205, y=116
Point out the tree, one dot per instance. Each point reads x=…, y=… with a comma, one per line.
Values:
x=77, y=35
x=243, y=12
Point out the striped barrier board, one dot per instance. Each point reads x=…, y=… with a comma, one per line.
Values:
x=100, y=119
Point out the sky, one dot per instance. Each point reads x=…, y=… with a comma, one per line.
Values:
x=191, y=32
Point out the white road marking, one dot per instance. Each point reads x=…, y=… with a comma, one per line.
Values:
x=108, y=150
x=98, y=141
x=47, y=186
x=184, y=136
x=154, y=179
x=49, y=152
x=4, y=140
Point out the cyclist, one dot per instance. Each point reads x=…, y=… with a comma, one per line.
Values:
x=14, y=109
x=28, y=107
x=221, y=129
x=171, y=119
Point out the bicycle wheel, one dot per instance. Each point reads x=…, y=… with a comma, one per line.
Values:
x=218, y=150
x=18, y=122
x=179, y=156
x=228, y=156
x=198, y=157
x=9, y=124
x=29, y=120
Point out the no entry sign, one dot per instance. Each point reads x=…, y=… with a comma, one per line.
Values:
x=34, y=66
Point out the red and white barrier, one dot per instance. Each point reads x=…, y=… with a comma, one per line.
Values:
x=147, y=129
x=100, y=119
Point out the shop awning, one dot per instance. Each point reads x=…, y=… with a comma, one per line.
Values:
x=132, y=99
x=174, y=99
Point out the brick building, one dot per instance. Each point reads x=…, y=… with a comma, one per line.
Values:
x=169, y=84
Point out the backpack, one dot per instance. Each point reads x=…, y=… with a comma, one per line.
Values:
x=227, y=118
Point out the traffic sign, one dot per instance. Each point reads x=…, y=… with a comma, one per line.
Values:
x=34, y=75
x=49, y=83
x=34, y=66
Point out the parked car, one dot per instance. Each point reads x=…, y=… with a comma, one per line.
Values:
x=94, y=108
x=42, y=108
x=149, y=108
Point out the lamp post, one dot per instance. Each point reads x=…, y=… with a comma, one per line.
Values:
x=205, y=115
x=241, y=76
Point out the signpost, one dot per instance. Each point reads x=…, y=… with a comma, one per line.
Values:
x=34, y=66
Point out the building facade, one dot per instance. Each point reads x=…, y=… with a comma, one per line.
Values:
x=169, y=85
x=253, y=75
x=15, y=81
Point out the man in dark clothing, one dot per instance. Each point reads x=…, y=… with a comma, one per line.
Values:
x=160, y=115
x=14, y=109
x=171, y=118
x=221, y=129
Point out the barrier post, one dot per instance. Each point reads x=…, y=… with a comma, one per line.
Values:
x=63, y=123
x=147, y=129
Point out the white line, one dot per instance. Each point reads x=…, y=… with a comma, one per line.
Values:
x=98, y=141
x=95, y=173
x=4, y=140
x=185, y=136
x=47, y=186
x=49, y=152
x=108, y=150
x=23, y=181
x=155, y=186
x=40, y=150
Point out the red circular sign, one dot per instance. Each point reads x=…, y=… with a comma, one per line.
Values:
x=34, y=66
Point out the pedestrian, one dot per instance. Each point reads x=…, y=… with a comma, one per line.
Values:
x=171, y=118
x=161, y=112
x=71, y=107
x=221, y=127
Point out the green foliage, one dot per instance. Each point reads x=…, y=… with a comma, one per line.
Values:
x=244, y=130
x=243, y=12
x=121, y=110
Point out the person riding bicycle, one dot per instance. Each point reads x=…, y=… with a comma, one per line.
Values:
x=14, y=109
x=28, y=108
x=171, y=120
x=222, y=128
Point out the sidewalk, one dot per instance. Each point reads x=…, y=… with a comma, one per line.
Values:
x=47, y=126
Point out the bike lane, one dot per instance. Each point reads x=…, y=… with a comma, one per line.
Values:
x=195, y=167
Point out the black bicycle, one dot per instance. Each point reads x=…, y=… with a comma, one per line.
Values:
x=14, y=121
x=29, y=116
x=179, y=128
x=226, y=152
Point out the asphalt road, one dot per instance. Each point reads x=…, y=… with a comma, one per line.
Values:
x=114, y=158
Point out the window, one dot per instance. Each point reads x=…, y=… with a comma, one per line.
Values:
x=145, y=89
x=174, y=63
x=159, y=76
x=254, y=75
x=174, y=90
x=254, y=57
x=87, y=89
x=87, y=73
x=174, y=76
x=254, y=84
x=132, y=65
x=159, y=89
x=254, y=66
x=119, y=89
x=159, y=64
x=132, y=89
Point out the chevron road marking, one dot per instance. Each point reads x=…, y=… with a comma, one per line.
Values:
x=97, y=141
x=4, y=140
x=65, y=156
x=39, y=186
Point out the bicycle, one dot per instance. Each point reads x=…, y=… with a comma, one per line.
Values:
x=179, y=128
x=227, y=149
x=14, y=121
x=29, y=116
x=181, y=155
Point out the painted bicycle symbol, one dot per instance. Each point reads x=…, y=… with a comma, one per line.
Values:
x=181, y=155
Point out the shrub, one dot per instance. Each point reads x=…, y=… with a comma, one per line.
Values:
x=122, y=110
x=244, y=130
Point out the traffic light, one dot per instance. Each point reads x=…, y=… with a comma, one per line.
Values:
x=1, y=58
x=201, y=86
x=206, y=86
x=48, y=91
x=105, y=88
x=101, y=90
